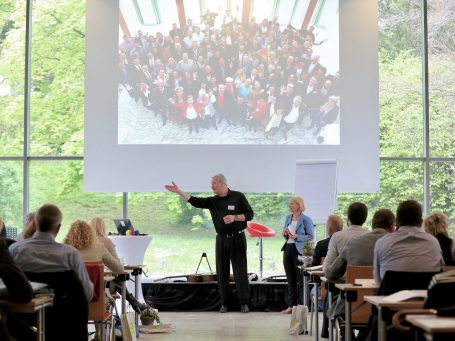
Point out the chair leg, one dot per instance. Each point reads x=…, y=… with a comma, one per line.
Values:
x=312, y=312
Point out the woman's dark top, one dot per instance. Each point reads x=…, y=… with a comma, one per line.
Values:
x=446, y=247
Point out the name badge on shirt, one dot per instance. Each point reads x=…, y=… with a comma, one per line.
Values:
x=231, y=207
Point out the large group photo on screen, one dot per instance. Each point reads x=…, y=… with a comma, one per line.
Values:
x=218, y=81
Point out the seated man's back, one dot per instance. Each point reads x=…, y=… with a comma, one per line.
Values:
x=42, y=253
x=409, y=248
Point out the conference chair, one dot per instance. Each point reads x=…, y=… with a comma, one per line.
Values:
x=392, y=282
x=97, y=313
x=260, y=231
x=66, y=319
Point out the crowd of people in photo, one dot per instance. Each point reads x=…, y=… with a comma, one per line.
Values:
x=259, y=76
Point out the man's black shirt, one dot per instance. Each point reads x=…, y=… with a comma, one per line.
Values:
x=233, y=203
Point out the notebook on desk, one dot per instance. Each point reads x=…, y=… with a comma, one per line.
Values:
x=36, y=287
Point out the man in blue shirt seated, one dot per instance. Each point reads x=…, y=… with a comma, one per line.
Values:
x=42, y=253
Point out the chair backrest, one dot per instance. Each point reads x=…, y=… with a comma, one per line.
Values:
x=358, y=271
x=96, y=307
x=395, y=281
x=360, y=309
x=68, y=315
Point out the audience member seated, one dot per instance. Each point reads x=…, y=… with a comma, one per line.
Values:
x=437, y=224
x=82, y=237
x=334, y=224
x=409, y=248
x=62, y=269
x=99, y=227
x=359, y=250
x=29, y=227
x=357, y=214
x=42, y=253
x=19, y=289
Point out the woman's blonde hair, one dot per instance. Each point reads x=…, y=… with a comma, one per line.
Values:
x=436, y=223
x=299, y=201
x=80, y=235
x=99, y=226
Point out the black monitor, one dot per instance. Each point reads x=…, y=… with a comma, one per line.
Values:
x=123, y=225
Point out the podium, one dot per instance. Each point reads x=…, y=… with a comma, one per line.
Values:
x=132, y=250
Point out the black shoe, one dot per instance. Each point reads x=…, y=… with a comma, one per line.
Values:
x=223, y=309
x=244, y=308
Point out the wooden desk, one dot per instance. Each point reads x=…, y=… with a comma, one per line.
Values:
x=350, y=294
x=36, y=305
x=433, y=325
x=381, y=302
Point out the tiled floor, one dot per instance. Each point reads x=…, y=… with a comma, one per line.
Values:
x=211, y=326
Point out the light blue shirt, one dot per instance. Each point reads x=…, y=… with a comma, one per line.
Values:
x=42, y=253
x=408, y=249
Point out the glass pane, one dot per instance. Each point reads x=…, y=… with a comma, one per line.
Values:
x=60, y=183
x=442, y=187
x=57, y=102
x=12, y=53
x=441, y=55
x=11, y=193
x=398, y=181
x=400, y=78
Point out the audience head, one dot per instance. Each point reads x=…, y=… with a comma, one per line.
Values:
x=29, y=225
x=384, y=219
x=80, y=235
x=409, y=213
x=334, y=224
x=436, y=223
x=298, y=202
x=48, y=218
x=99, y=226
x=357, y=213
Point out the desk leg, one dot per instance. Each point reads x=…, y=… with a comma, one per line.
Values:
x=347, y=325
x=329, y=293
x=305, y=290
x=41, y=332
x=381, y=326
x=136, y=293
x=123, y=297
x=316, y=314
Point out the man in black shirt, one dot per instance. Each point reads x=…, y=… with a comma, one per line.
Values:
x=230, y=211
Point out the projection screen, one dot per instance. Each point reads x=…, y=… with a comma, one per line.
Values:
x=132, y=144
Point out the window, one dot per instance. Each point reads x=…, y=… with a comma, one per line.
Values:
x=147, y=12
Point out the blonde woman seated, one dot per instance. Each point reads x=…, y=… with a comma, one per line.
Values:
x=99, y=227
x=437, y=224
x=82, y=236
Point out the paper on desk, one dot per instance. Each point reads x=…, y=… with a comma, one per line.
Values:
x=407, y=295
x=364, y=281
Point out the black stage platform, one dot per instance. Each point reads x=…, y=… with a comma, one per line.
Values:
x=178, y=296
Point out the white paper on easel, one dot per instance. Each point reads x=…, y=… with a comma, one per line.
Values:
x=316, y=183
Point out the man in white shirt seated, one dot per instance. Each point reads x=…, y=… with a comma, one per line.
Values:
x=357, y=214
x=410, y=248
x=41, y=253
